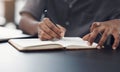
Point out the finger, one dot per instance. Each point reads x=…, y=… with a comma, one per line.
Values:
x=116, y=40
x=47, y=30
x=44, y=36
x=63, y=30
x=61, y=27
x=94, y=25
x=93, y=35
x=103, y=39
x=40, y=37
x=52, y=26
x=86, y=37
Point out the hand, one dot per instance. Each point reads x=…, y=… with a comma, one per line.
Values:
x=106, y=28
x=48, y=31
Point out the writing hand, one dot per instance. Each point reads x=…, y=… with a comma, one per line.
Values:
x=48, y=31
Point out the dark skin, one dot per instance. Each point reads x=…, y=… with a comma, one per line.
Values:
x=47, y=30
x=111, y=27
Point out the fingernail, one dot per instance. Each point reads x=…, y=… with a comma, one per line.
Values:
x=114, y=48
x=98, y=47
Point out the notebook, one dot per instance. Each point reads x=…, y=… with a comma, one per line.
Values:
x=64, y=43
x=6, y=34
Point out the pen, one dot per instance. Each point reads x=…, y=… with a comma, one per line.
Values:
x=45, y=13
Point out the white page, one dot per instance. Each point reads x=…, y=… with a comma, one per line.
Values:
x=31, y=42
x=6, y=33
x=66, y=41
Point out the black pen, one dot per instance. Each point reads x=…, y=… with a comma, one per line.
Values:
x=45, y=13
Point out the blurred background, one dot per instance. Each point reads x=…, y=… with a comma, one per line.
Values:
x=9, y=12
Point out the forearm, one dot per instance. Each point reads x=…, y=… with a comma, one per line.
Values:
x=28, y=24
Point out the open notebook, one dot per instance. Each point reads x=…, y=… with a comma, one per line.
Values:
x=6, y=34
x=37, y=44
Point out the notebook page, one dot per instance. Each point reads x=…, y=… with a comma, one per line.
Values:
x=66, y=41
x=75, y=41
x=31, y=42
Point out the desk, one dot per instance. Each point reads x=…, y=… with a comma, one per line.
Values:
x=12, y=60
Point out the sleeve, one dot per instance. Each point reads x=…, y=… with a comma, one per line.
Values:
x=115, y=14
x=115, y=9
x=34, y=7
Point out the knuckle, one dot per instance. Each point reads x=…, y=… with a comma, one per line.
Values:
x=93, y=35
x=92, y=38
x=52, y=27
x=96, y=23
x=105, y=34
x=101, y=42
x=95, y=31
x=49, y=32
x=52, y=33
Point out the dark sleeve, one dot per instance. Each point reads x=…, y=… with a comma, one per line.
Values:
x=34, y=7
x=115, y=14
x=115, y=9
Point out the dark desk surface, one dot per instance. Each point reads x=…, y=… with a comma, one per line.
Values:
x=12, y=60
